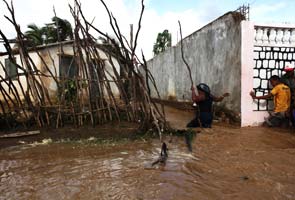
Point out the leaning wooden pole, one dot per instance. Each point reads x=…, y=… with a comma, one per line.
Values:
x=182, y=56
x=187, y=65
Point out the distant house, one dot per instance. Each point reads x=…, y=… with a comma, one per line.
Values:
x=232, y=55
x=60, y=59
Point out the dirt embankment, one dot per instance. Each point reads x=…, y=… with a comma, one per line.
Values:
x=113, y=130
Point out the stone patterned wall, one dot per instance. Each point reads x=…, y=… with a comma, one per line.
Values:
x=269, y=61
x=266, y=49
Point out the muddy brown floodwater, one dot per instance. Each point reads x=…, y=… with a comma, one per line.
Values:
x=226, y=163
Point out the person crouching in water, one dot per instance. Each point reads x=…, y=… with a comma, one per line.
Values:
x=289, y=79
x=282, y=96
x=204, y=99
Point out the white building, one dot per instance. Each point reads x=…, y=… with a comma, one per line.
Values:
x=57, y=58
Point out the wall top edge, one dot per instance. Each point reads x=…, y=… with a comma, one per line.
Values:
x=273, y=45
x=275, y=25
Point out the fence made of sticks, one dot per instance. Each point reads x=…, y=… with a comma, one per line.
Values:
x=88, y=97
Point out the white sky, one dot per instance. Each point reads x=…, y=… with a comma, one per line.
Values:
x=158, y=15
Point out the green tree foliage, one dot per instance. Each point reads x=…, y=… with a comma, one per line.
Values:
x=163, y=41
x=35, y=34
x=63, y=28
x=58, y=30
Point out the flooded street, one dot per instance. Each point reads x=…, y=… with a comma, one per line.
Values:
x=68, y=171
x=227, y=163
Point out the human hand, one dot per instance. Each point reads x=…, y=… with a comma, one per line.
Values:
x=192, y=88
x=226, y=94
x=252, y=94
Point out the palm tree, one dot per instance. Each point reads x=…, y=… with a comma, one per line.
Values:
x=50, y=33
x=35, y=35
x=57, y=31
x=63, y=28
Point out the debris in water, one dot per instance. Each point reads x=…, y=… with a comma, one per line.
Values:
x=47, y=141
x=44, y=142
x=91, y=139
x=188, y=136
x=163, y=155
x=20, y=134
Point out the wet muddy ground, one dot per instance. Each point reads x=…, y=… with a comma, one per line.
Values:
x=227, y=162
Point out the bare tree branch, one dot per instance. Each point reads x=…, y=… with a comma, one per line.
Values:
x=183, y=58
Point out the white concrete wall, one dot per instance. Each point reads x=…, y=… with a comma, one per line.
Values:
x=22, y=79
x=213, y=53
x=110, y=72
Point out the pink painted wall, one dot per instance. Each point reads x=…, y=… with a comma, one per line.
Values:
x=248, y=116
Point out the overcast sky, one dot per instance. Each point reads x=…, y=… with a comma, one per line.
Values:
x=158, y=15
